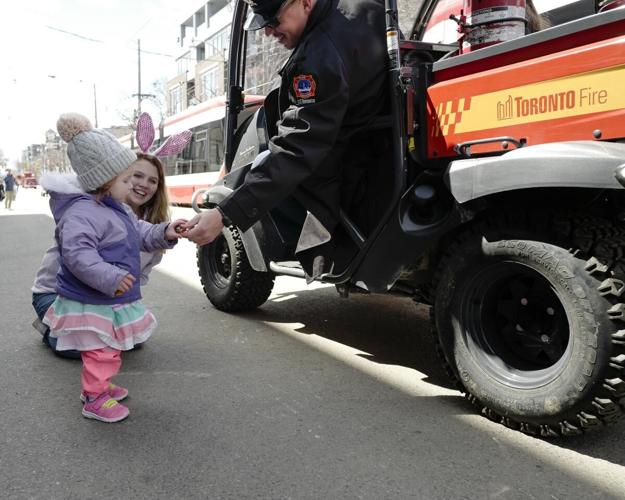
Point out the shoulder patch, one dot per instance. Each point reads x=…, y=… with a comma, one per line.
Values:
x=304, y=87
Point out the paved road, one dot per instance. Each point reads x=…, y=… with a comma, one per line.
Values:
x=310, y=397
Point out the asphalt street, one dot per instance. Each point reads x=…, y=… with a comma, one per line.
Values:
x=310, y=397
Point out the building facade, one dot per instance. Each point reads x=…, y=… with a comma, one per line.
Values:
x=202, y=58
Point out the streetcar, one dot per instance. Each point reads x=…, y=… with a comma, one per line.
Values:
x=198, y=166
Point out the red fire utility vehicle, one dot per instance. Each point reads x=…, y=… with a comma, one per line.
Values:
x=498, y=202
x=29, y=180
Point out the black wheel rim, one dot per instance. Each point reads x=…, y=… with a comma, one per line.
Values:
x=220, y=262
x=515, y=325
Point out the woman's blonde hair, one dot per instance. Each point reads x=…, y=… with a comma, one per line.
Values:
x=535, y=22
x=156, y=210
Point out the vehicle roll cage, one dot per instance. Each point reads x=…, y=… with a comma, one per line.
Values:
x=235, y=104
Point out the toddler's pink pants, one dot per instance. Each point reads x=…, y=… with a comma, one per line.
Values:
x=99, y=366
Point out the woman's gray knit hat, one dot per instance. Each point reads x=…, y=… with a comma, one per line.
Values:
x=96, y=155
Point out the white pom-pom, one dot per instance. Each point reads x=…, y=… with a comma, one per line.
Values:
x=70, y=125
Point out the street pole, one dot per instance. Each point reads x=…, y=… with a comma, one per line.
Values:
x=139, y=95
x=138, y=77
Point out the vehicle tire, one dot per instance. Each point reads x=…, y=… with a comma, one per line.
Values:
x=227, y=278
x=529, y=312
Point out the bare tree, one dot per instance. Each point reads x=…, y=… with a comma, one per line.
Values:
x=157, y=98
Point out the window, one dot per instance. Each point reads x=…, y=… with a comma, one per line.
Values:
x=216, y=151
x=210, y=83
x=200, y=17
x=190, y=92
x=175, y=100
x=264, y=58
x=200, y=53
x=183, y=63
x=218, y=44
x=199, y=146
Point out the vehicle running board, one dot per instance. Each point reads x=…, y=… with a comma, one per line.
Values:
x=289, y=268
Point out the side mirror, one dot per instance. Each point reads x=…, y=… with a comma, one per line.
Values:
x=194, y=199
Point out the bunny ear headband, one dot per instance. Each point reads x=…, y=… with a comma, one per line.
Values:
x=173, y=145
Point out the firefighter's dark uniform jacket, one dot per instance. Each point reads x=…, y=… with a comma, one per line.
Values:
x=332, y=86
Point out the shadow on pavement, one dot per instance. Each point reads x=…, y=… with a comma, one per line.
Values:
x=396, y=331
x=389, y=330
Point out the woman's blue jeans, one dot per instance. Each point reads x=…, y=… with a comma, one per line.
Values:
x=41, y=303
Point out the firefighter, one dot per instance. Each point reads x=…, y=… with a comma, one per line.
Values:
x=332, y=85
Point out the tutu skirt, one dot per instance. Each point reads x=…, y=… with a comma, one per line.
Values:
x=85, y=327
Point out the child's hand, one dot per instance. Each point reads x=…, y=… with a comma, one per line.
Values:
x=125, y=285
x=176, y=229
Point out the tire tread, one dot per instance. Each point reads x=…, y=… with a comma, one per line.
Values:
x=249, y=290
x=601, y=244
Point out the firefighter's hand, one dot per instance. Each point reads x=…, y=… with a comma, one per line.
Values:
x=204, y=227
x=175, y=229
x=125, y=285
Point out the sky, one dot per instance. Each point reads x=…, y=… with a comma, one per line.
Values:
x=55, y=51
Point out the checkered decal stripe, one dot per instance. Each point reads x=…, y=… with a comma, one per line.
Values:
x=448, y=115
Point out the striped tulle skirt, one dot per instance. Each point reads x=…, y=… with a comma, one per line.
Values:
x=85, y=327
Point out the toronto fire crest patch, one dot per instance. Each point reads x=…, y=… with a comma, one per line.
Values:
x=305, y=88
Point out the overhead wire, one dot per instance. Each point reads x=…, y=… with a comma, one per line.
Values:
x=143, y=51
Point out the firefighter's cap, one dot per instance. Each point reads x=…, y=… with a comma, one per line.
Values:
x=263, y=13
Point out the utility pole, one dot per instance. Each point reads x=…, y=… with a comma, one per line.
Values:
x=138, y=76
x=139, y=95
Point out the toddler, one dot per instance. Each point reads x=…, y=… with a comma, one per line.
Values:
x=98, y=310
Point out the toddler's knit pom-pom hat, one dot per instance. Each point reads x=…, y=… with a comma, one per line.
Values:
x=95, y=154
x=69, y=125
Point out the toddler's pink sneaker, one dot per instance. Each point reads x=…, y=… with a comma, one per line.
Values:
x=117, y=392
x=105, y=409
